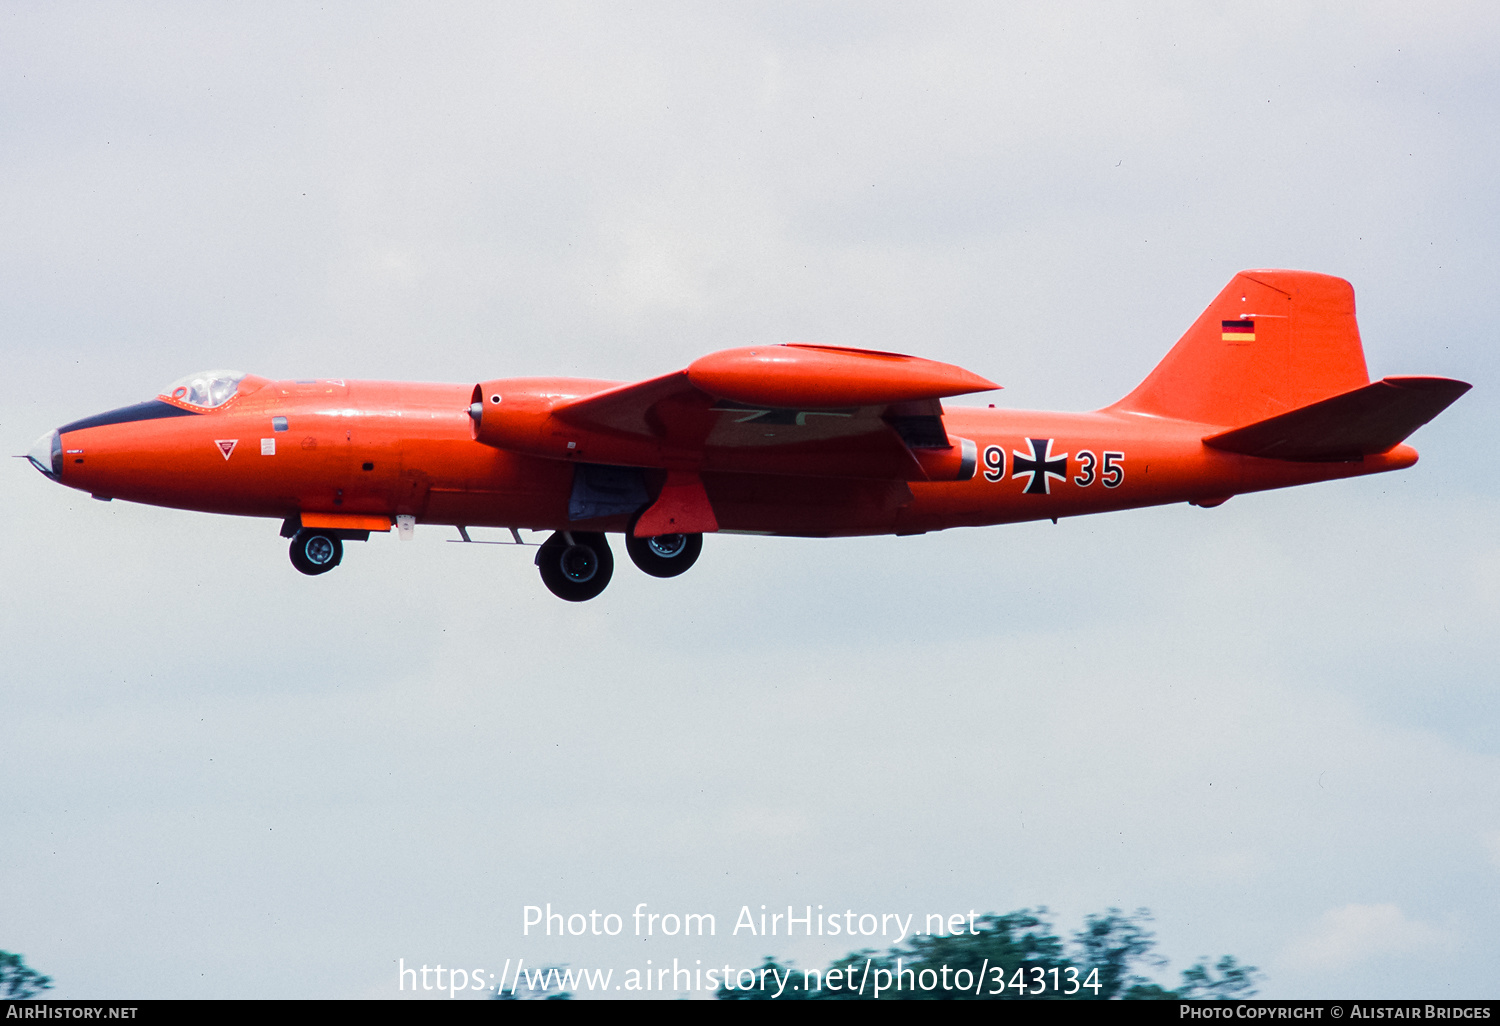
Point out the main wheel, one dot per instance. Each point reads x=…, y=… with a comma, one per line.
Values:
x=315, y=551
x=576, y=571
x=664, y=555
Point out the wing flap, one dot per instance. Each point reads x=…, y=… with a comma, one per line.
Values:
x=1363, y=422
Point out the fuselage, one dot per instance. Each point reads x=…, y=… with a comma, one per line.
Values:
x=287, y=448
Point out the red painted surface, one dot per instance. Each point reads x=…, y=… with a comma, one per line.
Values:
x=683, y=507
x=817, y=377
x=792, y=440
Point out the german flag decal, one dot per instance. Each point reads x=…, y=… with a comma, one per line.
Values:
x=1239, y=331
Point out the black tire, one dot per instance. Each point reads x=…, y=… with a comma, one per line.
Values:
x=665, y=555
x=576, y=572
x=316, y=552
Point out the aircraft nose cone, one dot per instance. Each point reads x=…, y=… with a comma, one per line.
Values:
x=47, y=455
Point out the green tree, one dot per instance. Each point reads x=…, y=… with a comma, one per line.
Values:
x=1107, y=959
x=18, y=980
x=754, y=993
x=1233, y=981
x=544, y=978
x=1116, y=944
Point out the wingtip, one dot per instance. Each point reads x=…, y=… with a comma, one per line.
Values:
x=1428, y=383
x=976, y=383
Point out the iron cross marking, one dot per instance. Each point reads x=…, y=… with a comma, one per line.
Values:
x=1040, y=466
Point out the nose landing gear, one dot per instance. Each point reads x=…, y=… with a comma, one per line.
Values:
x=575, y=565
x=315, y=551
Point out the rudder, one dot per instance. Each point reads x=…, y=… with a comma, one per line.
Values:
x=1271, y=342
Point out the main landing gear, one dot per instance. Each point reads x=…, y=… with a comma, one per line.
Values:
x=665, y=555
x=316, y=551
x=577, y=565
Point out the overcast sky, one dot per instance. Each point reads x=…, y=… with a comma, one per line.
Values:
x=1274, y=723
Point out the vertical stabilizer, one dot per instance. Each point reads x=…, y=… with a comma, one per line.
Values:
x=1273, y=341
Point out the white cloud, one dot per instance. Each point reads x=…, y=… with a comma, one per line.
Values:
x=1347, y=936
x=1492, y=845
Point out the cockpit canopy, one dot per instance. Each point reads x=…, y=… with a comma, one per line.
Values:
x=206, y=389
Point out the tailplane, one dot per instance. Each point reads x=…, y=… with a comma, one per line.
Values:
x=1272, y=342
x=1366, y=421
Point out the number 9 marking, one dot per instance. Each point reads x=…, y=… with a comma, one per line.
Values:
x=994, y=463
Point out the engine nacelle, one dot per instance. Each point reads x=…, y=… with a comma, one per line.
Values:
x=515, y=423
x=955, y=463
x=516, y=414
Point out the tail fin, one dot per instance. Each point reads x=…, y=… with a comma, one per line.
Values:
x=1273, y=341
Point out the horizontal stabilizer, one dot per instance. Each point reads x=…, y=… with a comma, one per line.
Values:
x=1366, y=421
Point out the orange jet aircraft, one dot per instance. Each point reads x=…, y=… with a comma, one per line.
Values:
x=1267, y=389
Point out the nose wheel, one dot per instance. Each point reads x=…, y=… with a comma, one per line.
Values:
x=575, y=565
x=316, y=552
x=664, y=555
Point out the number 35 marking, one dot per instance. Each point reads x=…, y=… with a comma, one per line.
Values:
x=1111, y=470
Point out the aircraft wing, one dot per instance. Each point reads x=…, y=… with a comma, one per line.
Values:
x=783, y=409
